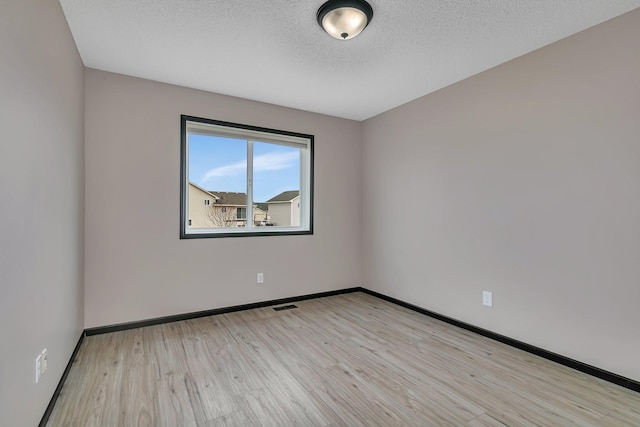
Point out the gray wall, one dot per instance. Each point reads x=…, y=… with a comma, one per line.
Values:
x=41, y=204
x=523, y=180
x=136, y=265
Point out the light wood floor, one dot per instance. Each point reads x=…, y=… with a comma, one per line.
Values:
x=348, y=360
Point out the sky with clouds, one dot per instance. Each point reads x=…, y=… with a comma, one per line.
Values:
x=220, y=164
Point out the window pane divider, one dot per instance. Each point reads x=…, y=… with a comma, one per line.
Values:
x=249, y=211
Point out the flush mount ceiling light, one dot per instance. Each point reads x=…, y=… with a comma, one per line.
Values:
x=344, y=19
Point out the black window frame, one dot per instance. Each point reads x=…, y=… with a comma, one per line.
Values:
x=184, y=181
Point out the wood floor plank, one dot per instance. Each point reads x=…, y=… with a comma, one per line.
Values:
x=346, y=360
x=238, y=418
x=485, y=421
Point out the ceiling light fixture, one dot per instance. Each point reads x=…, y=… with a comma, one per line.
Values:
x=344, y=19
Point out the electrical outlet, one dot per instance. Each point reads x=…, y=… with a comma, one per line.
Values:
x=260, y=278
x=487, y=298
x=38, y=367
x=44, y=361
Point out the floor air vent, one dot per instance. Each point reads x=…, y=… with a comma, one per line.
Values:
x=285, y=307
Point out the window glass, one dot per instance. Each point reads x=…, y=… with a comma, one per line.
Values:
x=276, y=184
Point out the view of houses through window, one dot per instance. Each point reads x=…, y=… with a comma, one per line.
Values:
x=247, y=179
x=222, y=209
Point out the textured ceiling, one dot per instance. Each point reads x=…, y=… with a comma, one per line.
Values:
x=274, y=51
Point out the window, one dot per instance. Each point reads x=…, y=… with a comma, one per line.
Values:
x=260, y=180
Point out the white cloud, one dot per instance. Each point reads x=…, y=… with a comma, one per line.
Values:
x=262, y=163
x=275, y=161
x=227, y=170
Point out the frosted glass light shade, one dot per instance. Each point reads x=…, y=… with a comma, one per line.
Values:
x=344, y=19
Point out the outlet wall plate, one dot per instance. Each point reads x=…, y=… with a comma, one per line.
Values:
x=487, y=298
x=45, y=359
x=260, y=278
x=38, y=367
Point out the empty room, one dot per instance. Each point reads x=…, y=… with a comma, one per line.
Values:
x=319, y=213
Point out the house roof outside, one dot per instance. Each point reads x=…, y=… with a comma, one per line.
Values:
x=229, y=198
x=233, y=199
x=285, y=196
